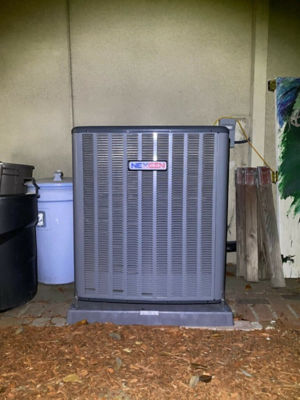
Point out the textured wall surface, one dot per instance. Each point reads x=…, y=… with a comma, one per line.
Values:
x=160, y=62
x=133, y=62
x=35, y=102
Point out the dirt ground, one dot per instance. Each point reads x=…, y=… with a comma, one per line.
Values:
x=105, y=361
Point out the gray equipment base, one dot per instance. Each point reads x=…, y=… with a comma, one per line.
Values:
x=218, y=314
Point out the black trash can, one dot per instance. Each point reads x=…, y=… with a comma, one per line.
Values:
x=18, y=256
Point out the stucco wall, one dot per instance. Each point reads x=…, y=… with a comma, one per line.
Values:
x=130, y=62
x=35, y=102
x=160, y=62
x=133, y=62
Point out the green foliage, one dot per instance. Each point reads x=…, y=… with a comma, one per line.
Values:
x=289, y=169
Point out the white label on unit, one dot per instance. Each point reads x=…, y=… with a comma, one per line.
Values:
x=149, y=312
x=41, y=219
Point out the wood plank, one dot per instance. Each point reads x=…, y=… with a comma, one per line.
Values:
x=240, y=221
x=269, y=227
x=251, y=249
x=263, y=267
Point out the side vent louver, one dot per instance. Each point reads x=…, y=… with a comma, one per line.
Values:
x=89, y=212
x=207, y=213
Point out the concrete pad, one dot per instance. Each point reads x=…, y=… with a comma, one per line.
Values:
x=41, y=322
x=58, y=321
x=50, y=305
x=244, y=311
x=262, y=311
x=35, y=309
x=17, y=312
x=154, y=314
x=54, y=293
x=27, y=320
x=238, y=326
x=56, y=310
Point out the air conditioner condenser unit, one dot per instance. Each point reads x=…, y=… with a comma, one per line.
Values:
x=150, y=210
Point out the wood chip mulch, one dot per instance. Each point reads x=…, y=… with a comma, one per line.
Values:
x=105, y=361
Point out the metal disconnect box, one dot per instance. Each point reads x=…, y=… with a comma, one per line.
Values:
x=150, y=224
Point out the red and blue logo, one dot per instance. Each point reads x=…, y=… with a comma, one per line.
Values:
x=147, y=165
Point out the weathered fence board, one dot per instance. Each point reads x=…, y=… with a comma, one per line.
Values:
x=269, y=226
x=258, y=248
x=240, y=221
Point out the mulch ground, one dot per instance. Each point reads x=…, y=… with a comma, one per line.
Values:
x=105, y=361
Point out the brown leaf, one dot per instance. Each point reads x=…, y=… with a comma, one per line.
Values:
x=205, y=378
x=82, y=322
x=74, y=378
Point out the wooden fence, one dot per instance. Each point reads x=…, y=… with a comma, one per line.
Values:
x=258, y=249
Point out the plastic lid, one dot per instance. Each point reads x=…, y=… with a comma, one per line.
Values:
x=57, y=180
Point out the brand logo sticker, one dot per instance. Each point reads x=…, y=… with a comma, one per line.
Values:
x=147, y=165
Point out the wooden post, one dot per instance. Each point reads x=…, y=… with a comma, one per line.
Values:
x=251, y=252
x=263, y=267
x=240, y=221
x=269, y=227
